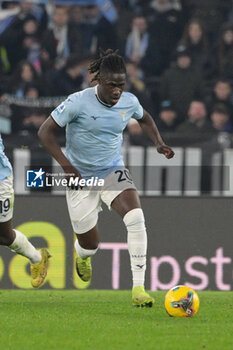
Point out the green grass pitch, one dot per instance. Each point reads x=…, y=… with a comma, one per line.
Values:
x=106, y=320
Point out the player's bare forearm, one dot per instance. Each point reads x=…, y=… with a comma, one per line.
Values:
x=150, y=129
x=47, y=137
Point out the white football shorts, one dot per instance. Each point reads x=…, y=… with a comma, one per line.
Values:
x=84, y=205
x=6, y=199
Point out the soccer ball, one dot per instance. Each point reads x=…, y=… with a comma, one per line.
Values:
x=181, y=301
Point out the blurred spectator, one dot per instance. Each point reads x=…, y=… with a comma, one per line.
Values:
x=8, y=12
x=32, y=121
x=31, y=90
x=21, y=118
x=141, y=48
x=76, y=15
x=27, y=8
x=68, y=79
x=98, y=31
x=123, y=24
x=13, y=41
x=25, y=124
x=60, y=40
x=220, y=118
x=166, y=26
x=166, y=121
x=31, y=42
x=15, y=37
x=196, y=41
x=197, y=128
x=212, y=12
x=108, y=9
x=77, y=20
x=224, y=52
x=222, y=93
x=137, y=40
x=181, y=84
x=136, y=86
x=24, y=74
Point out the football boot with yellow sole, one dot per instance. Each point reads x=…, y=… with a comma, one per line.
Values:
x=141, y=298
x=84, y=272
x=39, y=271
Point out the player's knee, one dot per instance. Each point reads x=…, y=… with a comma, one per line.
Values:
x=134, y=220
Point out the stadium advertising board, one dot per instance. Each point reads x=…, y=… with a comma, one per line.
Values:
x=190, y=242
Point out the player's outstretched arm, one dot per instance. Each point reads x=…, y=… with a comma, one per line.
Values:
x=47, y=137
x=150, y=129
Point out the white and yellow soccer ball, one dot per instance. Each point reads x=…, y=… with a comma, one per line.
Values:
x=181, y=301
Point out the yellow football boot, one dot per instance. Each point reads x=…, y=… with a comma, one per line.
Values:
x=39, y=271
x=141, y=298
x=84, y=269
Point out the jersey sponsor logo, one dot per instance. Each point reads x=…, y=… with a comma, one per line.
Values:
x=35, y=178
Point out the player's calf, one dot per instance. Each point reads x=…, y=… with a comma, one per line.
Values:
x=137, y=244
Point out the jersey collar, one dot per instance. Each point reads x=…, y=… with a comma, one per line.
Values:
x=97, y=96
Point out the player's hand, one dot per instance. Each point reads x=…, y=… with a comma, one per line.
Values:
x=166, y=150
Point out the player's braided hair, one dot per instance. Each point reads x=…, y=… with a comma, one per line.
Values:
x=109, y=61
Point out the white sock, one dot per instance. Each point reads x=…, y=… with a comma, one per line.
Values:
x=137, y=244
x=84, y=253
x=22, y=246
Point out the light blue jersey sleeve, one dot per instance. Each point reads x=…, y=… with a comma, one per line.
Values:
x=138, y=112
x=5, y=166
x=67, y=110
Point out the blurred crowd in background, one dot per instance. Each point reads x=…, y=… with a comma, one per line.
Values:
x=178, y=54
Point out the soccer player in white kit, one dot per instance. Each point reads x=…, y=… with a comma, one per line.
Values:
x=14, y=239
x=95, y=119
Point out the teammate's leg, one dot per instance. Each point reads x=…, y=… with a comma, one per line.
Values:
x=17, y=242
x=86, y=245
x=127, y=205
